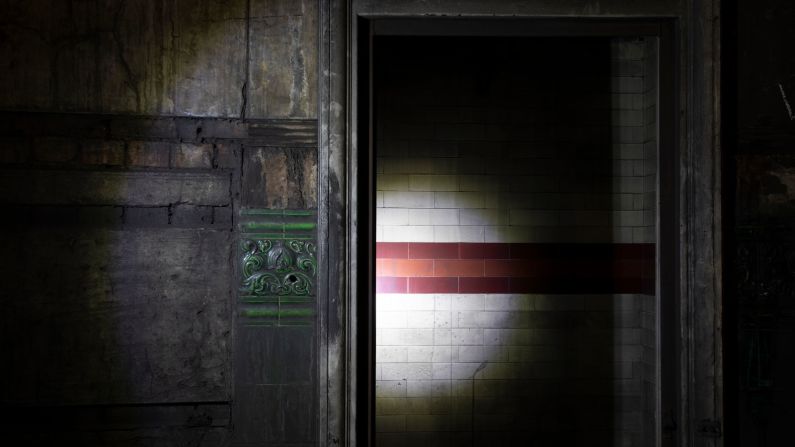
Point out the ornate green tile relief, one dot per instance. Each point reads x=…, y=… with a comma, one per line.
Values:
x=278, y=267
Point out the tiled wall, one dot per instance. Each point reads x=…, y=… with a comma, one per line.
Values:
x=649, y=298
x=507, y=367
x=514, y=231
x=507, y=171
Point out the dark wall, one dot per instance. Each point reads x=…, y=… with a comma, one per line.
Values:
x=761, y=76
x=123, y=130
x=132, y=134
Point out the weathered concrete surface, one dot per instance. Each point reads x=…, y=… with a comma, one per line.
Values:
x=280, y=177
x=148, y=57
x=765, y=67
x=202, y=417
x=157, y=129
x=105, y=316
x=210, y=56
x=763, y=284
x=149, y=437
x=122, y=230
x=766, y=188
x=203, y=425
x=185, y=57
x=114, y=188
x=121, y=138
x=282, y=59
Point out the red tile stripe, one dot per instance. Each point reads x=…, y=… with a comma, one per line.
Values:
x=408, y=267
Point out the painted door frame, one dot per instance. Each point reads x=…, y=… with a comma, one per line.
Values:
x=696, y=410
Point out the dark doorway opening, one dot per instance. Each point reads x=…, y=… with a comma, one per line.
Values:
x=520, y=256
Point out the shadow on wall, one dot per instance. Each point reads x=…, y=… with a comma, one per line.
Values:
x=530, y=125
x=108, y=305
x=118, y=261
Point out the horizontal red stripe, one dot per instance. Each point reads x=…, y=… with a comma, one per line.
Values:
x=392, y=250
x=457, y=267
x=590, y=251
x=404, y=267
x=454, y=250
x=433, y=250
x=510, y=268
x=484, y=251
x=514, y=268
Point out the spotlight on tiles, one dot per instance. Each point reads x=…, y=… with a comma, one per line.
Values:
x=515, y=253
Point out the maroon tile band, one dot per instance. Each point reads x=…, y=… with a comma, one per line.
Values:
x=514, y=268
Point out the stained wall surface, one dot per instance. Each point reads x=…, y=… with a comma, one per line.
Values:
x=132, y=136
x=760, y=130
x=241, y=58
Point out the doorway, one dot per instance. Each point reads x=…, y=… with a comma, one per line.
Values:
x=517, y=215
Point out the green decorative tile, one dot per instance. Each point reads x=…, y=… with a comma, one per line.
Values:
x=278, y=266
